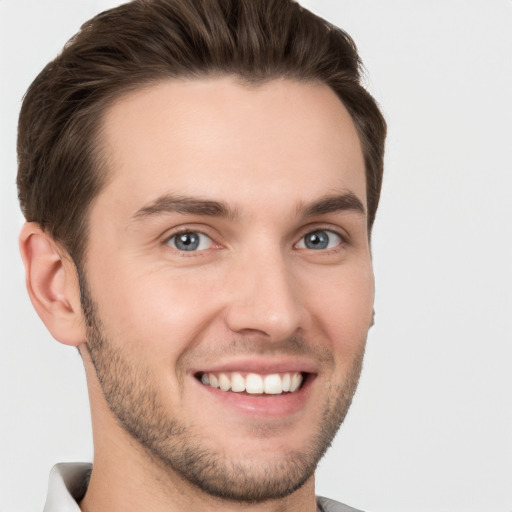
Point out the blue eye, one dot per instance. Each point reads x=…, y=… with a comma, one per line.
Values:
x=320, y=239
x=190, y=241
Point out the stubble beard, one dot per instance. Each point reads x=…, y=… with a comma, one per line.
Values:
x=133, y=398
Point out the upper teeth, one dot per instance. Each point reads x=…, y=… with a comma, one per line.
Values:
x=253, y=383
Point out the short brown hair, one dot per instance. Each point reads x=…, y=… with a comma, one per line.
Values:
x=59, y=141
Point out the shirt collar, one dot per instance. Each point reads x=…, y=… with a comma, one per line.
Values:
x=66, y=486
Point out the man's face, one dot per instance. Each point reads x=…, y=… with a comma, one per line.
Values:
x=230, y=248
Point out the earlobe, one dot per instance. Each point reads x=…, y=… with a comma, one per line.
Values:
x=52, y=284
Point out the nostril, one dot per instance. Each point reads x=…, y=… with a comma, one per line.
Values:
x=273, y=310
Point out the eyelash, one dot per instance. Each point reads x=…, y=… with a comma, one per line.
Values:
x=188, y=231
x=330, y=232
x=343, y=240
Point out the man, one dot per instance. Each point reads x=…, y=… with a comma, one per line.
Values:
x=200, y=179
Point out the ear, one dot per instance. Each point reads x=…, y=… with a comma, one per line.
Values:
x=52, y=284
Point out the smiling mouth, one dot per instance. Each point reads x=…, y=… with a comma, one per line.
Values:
x=254, y=383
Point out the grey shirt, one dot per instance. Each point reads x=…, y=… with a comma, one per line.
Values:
x=68, y=483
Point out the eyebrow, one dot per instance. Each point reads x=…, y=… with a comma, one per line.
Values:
x=346, y=201
x=169, y=203
x=181, y=204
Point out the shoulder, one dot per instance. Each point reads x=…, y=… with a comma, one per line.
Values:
x=327, y=505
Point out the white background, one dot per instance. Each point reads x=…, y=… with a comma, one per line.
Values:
x=431, y=426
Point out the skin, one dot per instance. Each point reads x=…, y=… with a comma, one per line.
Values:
x=254, y=297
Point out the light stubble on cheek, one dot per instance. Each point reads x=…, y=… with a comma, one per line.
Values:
x=177, y=445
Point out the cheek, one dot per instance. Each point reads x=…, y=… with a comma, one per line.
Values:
x=158, y=312
x=344, y=309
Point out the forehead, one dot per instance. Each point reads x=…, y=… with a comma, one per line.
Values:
x=282, y=140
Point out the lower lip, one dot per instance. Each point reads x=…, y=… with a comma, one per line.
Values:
x=274, y=406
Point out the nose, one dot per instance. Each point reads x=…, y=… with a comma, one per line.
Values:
x=264, y=297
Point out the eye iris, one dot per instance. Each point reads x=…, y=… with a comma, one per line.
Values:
x=187, y=241
x=317, y=240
